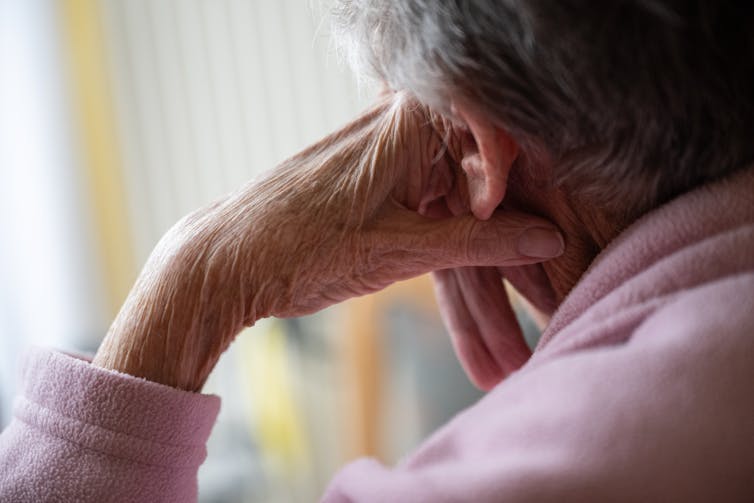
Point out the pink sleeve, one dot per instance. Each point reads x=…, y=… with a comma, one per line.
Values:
x=667, y=416
x=84, y=434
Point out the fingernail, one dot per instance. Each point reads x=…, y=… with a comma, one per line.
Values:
x=540, y=243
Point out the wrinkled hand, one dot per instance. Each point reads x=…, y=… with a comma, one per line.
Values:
x=359, y=210
x=474, y=303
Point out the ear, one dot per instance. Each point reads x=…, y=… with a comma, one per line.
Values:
x=487, y=157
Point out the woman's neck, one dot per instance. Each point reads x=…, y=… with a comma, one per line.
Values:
x=587, y=229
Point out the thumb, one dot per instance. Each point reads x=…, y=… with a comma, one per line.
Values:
x=506, y=239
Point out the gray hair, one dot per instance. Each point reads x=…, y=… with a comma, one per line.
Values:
x=635, y=101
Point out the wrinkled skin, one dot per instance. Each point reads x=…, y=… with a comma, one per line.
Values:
x=369, y=205
x=480, y=319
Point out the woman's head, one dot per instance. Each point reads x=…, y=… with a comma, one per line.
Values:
x=632, y=102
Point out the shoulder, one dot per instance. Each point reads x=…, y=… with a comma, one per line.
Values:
x=719, y=312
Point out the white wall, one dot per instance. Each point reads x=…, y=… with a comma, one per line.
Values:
x=211, y=92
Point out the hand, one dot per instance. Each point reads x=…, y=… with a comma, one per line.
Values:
x=473, y=301
x=338, y=220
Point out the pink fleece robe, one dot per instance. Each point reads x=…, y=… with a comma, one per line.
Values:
x=641, y=389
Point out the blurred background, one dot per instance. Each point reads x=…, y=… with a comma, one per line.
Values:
x=117, y=117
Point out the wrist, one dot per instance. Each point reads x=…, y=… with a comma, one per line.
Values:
x=156, y=346
x=178, y=319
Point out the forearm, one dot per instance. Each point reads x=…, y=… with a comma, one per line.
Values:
x=227, y=265
x=183, y=312
x=339, y=219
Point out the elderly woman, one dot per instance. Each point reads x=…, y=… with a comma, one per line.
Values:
x=626, y=124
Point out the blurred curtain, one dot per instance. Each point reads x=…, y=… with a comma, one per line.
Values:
x=50, y=287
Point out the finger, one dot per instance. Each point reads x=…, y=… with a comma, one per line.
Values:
x=506, y=239
x=496, y=322
x=482, y=325
x=533, y=284
x=469, y=346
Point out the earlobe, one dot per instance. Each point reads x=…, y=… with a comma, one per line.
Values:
x=487, y=157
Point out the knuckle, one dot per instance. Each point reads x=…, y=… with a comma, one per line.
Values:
x=471, y=230
x=486, y=243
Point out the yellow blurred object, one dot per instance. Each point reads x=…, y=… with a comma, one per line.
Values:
x=93, y=106
x=276, y=419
